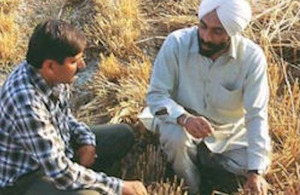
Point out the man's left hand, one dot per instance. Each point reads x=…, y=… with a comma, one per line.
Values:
x=86, y=155
x=256, y=185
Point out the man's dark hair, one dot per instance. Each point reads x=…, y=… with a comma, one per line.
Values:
x=55, y=40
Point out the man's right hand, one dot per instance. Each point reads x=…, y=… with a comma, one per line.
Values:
x=134, y=188
x=256, y=184
x=197, y=126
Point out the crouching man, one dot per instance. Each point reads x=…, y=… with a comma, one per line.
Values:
x=209, y=95
x=43, y=148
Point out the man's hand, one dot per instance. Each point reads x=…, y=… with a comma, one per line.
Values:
x=133, y=188
x=86, y=155
x=197, y=126
x=256, y=185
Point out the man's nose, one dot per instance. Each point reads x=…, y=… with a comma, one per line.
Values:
x=206, y=36
x=81, y=64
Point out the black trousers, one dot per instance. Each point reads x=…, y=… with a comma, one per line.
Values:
x=113, y=143
x=213, y=176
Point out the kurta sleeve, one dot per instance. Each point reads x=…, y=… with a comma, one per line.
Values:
x=256, y=96
x=164, y=81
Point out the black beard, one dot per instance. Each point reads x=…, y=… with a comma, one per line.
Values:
x=213, y=48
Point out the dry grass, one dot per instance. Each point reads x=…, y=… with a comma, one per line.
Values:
x=122, y=87
x=7, y=6
x=124, y=36
x=8, y=32
x=117, y=25
x=17, y=20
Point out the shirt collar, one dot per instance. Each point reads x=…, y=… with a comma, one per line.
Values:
x=37, y=80
x=194, y=48
x=233, y=47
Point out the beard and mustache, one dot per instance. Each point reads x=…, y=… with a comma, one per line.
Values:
x=212, y=48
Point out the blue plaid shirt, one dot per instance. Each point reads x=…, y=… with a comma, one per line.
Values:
x=36, y=127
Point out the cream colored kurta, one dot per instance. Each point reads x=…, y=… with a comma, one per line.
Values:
x=232, y=92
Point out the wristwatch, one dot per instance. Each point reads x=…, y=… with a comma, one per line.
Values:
x=256, y=171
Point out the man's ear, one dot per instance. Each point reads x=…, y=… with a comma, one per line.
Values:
x=47, y=64
x=47, y=70
x=48, y=67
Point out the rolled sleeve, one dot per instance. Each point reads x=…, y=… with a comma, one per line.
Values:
x=82, y=133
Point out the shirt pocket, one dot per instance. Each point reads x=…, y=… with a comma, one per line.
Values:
x=227, y=99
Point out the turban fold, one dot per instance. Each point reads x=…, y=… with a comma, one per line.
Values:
x=234, y=15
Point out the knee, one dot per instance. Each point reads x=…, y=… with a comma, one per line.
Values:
x=173, y=141
x=173, y=137
x=127, y=133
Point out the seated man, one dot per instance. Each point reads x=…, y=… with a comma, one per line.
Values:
x=43, y=149
x=209, y=94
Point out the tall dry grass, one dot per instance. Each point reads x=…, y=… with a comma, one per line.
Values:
x=17, y=21
x=8, y=33
x=122, y=87
x=117, y=25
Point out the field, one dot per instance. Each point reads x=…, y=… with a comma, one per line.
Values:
x=123, y=40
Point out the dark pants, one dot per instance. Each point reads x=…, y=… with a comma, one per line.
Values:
x=113, y=143
x=213, y=175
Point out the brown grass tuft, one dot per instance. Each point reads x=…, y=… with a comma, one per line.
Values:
x=8, y=5
x=8, y=33
x=117, y=25
x=124, y=87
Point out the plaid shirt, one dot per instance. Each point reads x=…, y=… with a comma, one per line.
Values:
x=36, y=127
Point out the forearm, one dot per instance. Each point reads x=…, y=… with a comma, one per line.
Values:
x=81, y=132
x=47, y=148
x=68, y=175
x=259, y=146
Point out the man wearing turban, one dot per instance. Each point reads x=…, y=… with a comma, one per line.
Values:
x=209, y=94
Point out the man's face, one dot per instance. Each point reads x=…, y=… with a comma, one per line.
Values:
x=65, y=73
x=213, y=37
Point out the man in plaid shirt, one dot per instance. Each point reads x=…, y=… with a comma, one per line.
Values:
x=43, y=149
